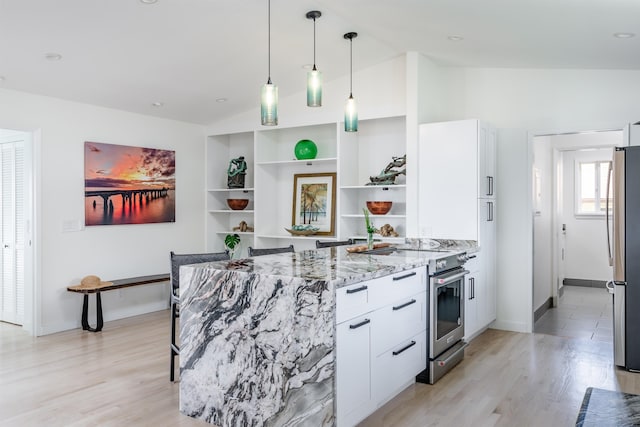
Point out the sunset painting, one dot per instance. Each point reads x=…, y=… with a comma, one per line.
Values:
x=128, y=185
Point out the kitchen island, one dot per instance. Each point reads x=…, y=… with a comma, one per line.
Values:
x=258, y=336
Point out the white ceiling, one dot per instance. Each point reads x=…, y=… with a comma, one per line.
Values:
x=127, y=55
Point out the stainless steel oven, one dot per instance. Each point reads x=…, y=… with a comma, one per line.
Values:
x=446, y=315
x=447, y=310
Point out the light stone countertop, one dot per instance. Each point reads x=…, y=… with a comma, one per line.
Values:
x=333, y=265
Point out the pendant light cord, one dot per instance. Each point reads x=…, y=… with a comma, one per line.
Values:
x=351, y=67
x=314, y=43
x=269, y=42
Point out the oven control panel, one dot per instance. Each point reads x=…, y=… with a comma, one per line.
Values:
x=447, y=262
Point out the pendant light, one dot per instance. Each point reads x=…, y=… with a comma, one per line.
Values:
x=350, y=111
x=269, y=98
x=314, y=77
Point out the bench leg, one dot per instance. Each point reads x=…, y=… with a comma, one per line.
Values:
x=85, y=314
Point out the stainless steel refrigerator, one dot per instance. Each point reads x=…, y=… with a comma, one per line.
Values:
x=623, y=233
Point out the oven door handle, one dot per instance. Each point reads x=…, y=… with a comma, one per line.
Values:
x=443, y=280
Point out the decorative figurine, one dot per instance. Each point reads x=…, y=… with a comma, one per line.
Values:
x=243, y=227
x=387, y=231
x=389, y=174
x=236, y=172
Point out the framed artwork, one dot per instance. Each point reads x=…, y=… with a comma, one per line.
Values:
x=128, y=185
x=314, y=201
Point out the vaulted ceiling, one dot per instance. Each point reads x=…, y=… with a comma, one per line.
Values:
x=189, y=54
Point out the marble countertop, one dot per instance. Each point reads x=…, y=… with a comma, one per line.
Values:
x=333, y=265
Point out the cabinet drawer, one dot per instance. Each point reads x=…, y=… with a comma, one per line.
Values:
x=395, y=368
x=397, y=286
x=353, y=300
x=397, y=322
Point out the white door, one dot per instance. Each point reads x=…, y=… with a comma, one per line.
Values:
x=12, y=220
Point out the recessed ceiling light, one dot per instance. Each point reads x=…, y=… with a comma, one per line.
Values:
x=623, y=35
x=53, y=56
x=148, y=1
x=221, y=100
x=455, y=38
x=157, y=104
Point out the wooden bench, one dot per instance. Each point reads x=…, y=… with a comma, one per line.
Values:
x=114, y=284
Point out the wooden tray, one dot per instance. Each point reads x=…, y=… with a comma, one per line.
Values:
x=302, y=232
x=363, y=248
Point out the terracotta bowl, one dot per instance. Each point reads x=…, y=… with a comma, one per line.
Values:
x=237, y=204
x=379, y=208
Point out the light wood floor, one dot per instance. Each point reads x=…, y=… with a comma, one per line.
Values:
x=119, y=377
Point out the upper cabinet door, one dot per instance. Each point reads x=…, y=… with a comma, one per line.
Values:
x=486, y=162
x=448, y=179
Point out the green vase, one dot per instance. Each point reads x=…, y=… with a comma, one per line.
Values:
x=305, y=149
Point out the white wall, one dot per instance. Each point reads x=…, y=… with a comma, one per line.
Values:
x=110, y=252
x=538, y=101
x=586, y=255
x=542, y=221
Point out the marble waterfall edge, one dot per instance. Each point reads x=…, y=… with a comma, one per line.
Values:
x=256, y=350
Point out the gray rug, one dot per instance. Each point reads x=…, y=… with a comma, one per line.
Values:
x=606, y=408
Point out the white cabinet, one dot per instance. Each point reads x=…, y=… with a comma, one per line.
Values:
x=353, y=370
x=457, y=167
x=380, y=341
x=457, y=200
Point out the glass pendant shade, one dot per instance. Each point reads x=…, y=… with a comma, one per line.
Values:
x=314, y=88
x=269, y=104
x=350, y=115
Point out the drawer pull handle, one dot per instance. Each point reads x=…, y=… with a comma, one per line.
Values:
x=360, y=289
x=407, y=347
x=471, y=256
x=357, y=325
x=413, y=273
x=398, y=307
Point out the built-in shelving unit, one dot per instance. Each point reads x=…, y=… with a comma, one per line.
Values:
x=270, y=177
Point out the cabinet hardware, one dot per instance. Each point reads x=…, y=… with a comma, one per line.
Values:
x=413, y=273
x=490, y=213
x=360, y=289
x=407, y=347
x=472, y=256
x=490, y=185
x=357, y=325
x=406, y=304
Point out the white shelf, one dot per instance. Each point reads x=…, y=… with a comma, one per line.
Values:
x=372, y=216
x=230, y=211
x=298, y=162
x=289, y=236
x=222, y=190
x=399, y=239
x=367, y=187
x=234, y=232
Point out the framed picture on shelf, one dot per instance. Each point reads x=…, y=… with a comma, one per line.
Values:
x=314, y=201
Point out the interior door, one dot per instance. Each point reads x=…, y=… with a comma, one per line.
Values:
x=12, y=219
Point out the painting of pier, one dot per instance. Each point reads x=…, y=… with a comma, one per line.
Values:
x=128, y=185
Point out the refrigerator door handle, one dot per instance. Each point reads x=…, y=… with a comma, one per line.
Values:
x=607, y=214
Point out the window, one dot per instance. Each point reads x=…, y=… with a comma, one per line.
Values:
x=591, y=187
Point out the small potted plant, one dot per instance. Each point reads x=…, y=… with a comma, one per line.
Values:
x=370, y=228
x=231, y=242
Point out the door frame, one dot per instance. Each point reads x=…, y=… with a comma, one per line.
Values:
x=32, y=289
x=556, y=220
